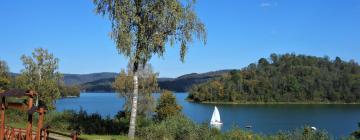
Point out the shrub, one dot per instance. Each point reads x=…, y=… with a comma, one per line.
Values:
x=177, y=127
x=167, y=106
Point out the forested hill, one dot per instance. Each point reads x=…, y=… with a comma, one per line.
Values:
x=78, y=79
x=285, y=78
x=101, y=82
x=183, y=83
x=179, y=84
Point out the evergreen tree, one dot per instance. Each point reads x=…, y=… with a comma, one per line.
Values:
x=167, y=106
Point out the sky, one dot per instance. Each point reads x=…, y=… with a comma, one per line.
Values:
x=239, y=33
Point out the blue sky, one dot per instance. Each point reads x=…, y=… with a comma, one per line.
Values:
x=239, y=33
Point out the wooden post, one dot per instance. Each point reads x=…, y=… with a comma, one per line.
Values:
x=74, y=135
x=29, y=124
x=40, y=123
x=2, y=129
x=46, y=133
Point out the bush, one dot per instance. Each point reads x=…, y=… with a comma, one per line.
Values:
x=356, y=134
x=301, y=134
x=167, y=106
x=239, y=134
x=177, y=127
x=181, y=128
x=59, y=120
x=93, y=123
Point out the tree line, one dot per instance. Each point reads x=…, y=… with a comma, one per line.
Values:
x=41, y=74
x=285, y=78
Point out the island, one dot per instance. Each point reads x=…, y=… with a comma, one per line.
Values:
x=286, y=78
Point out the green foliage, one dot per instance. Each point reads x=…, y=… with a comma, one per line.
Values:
x=147, y=85
x=305, y=133
x=41, y=74
x=93, y=124
x=141, y=28
x=14, y=115
x=4, y=76
x=356, y=133
x=285, y=78
x=176, y=127
x=60, y=120
x=181, y=128
x=66, y=91
x=103, y=137
x=167, y=106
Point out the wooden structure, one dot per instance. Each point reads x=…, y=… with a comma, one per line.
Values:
x=21, y=100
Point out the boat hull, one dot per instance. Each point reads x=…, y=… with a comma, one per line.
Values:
x=216, y=123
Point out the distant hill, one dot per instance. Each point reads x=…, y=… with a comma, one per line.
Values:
x=79, y=79
x=101, y=82
x=101, y=85
x=180, y=84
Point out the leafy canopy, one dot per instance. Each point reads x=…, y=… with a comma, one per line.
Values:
x=285, y=78
x=4, y=76
x=147, y=85
x=167, y=106
x=141, y=28
x=41, y=74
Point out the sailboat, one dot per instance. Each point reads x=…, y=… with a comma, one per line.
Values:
x=215, y=119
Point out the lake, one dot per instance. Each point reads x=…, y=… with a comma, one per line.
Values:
x=338, y=119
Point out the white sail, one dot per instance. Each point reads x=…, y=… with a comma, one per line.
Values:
x=215, y=119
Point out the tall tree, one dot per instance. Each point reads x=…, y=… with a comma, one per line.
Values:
x=141, y=28
x=4, y=76
x=41, y=74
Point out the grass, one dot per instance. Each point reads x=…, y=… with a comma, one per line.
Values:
x=17, y=124
x=103, y=137
x=83, y=136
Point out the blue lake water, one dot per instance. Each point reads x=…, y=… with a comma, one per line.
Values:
x=338, y=120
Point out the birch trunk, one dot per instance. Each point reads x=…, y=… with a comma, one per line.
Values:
x=131, y=134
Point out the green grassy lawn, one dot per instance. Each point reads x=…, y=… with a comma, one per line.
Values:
x=83, y=136
x=103, y=137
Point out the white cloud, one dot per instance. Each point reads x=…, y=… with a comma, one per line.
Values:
x=265, y=4
x=268, y=4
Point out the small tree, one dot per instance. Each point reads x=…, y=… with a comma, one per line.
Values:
x=147, y=85
x=4, y=76
x=167, y=106
x=41, y=74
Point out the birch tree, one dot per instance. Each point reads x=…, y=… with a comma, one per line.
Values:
x=142, y=28
x=41, y=74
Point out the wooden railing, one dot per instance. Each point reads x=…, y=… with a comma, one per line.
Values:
x=74, y=135
x=18, y=134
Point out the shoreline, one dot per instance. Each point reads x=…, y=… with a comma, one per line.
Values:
x=274, y=103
